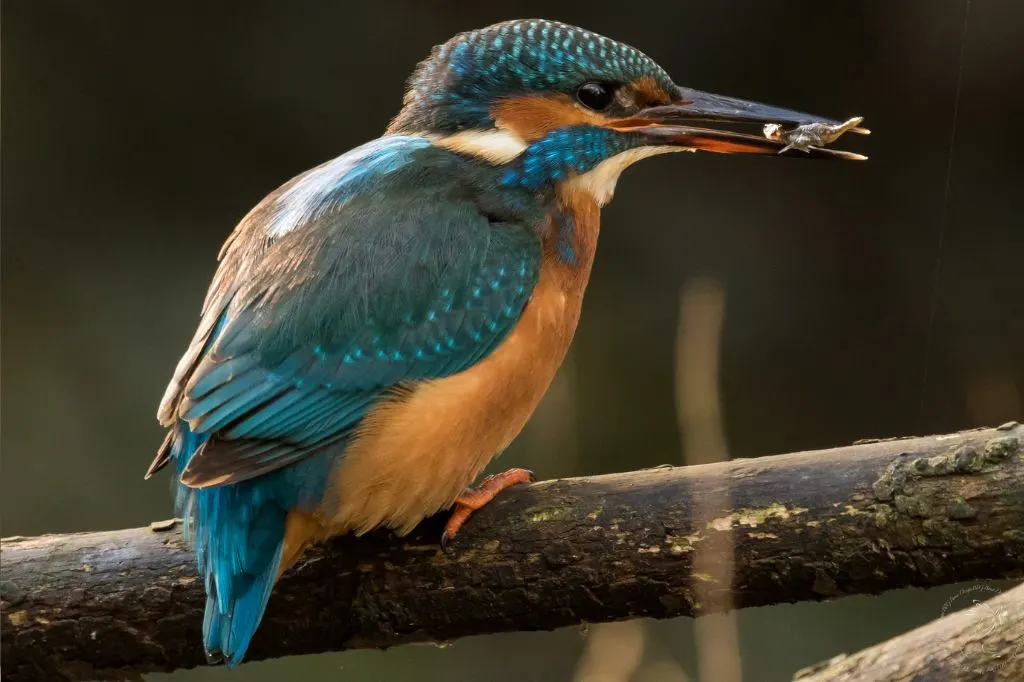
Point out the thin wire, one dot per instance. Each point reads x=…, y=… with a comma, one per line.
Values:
x=937, y=274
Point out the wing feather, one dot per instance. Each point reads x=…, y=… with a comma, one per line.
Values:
x=349, y=281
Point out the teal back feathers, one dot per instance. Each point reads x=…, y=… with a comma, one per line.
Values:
x=394, y=263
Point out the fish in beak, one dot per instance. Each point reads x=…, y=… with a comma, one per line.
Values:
x=784, y=132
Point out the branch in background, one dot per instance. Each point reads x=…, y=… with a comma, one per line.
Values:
x=699, y=410
x=982, y=643
x=805, y=526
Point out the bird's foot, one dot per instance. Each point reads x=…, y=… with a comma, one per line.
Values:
x=472, y=500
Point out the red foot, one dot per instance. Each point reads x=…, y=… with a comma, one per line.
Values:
x=471, y=500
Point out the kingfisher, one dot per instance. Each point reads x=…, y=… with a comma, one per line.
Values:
x=381, y=326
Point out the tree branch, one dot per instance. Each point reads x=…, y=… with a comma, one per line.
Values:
x=805, y=526
x=981, y=643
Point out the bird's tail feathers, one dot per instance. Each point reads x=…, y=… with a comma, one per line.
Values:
x=234, y=612
x=238, y=533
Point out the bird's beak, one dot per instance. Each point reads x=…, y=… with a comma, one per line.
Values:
x=784, y=132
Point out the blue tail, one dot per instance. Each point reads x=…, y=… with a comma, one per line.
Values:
x=238, y=534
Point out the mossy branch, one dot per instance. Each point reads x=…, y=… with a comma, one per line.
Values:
x=805, y=526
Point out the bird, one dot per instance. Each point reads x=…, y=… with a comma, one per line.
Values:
x=379, y=327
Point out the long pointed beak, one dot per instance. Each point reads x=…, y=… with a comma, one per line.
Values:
x=784, y=132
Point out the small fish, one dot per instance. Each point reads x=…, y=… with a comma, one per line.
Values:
x=815, y=135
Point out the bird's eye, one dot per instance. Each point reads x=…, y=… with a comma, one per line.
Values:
x=596, y=96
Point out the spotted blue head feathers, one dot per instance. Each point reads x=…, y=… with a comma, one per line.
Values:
x=456, y=87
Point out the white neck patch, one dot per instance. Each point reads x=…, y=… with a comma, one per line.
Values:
x=497, y=146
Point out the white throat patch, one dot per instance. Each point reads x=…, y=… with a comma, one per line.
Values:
x=599, y=182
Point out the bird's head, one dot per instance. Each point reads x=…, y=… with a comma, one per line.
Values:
x=555, y=103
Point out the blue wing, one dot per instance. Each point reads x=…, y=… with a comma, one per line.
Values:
x=362, y=274
x=393, y=263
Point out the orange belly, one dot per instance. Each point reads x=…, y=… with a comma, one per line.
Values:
x=417, y=451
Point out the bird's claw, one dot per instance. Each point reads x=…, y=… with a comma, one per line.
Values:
x=472, y=500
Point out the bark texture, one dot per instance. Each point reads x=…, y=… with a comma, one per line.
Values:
x=983, y=642
x=816, y=525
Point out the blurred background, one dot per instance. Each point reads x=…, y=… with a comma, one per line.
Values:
x=800, y=305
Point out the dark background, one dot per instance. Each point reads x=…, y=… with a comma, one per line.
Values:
x=135, y=135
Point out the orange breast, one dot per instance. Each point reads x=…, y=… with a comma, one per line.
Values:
x=415, y=453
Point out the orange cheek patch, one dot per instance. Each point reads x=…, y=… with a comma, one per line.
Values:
x=647, y=92
x=534, y=116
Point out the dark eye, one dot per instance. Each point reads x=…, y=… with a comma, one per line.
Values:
x=596, y=96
